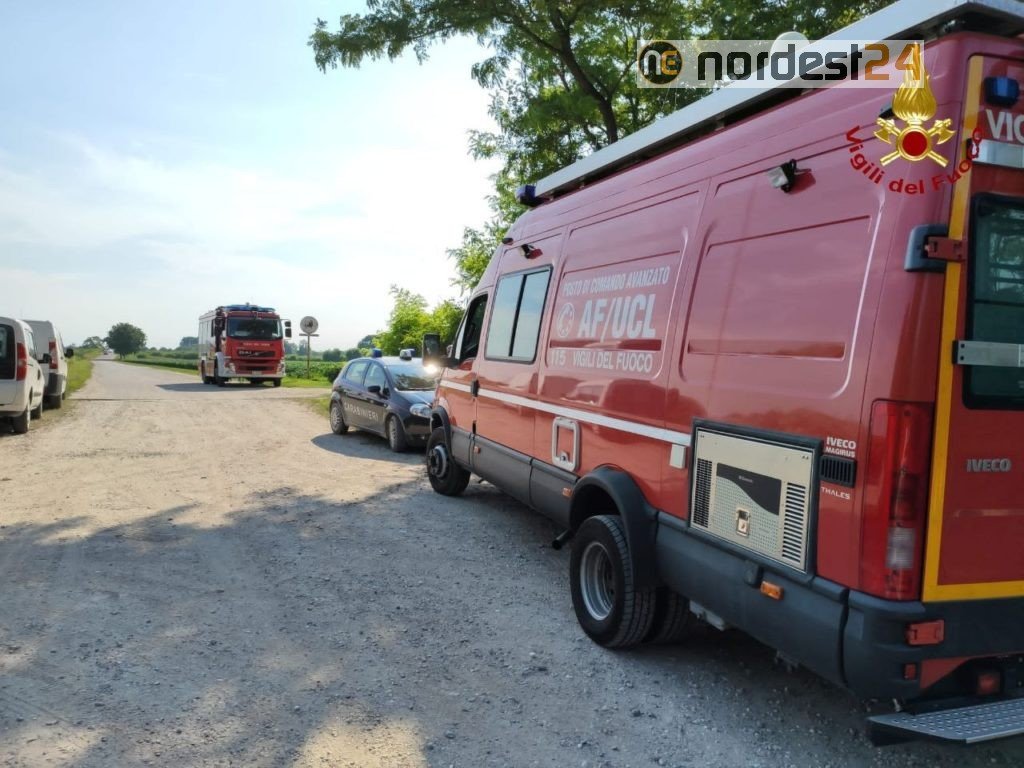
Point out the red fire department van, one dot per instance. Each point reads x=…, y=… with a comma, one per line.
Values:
x=242, y=341
x=764, y=377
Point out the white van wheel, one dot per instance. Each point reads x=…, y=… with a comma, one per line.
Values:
x=37, y=412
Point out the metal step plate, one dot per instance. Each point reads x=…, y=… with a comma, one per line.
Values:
x=967, y=725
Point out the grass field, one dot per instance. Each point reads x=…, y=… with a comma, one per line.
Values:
x=80, y=368
x=188, y=368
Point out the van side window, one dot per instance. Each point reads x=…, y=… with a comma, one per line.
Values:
x=515, y=320
x=468, y=343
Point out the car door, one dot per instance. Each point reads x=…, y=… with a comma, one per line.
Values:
x=457, y=387
x=352, y=393
x=375, y=388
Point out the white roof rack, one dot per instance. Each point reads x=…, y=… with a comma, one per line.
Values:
x=904, y=19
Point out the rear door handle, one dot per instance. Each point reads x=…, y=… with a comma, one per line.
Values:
x=474, y=388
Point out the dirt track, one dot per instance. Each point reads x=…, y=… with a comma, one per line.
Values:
x=193, y=576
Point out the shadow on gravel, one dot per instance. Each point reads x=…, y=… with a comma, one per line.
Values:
x=391, y=629
x=365, y=446
x=198, y=386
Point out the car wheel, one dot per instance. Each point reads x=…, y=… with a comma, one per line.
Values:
x=37, y=412
x=608, y=606
x=396, y=435
x=673, y=622
x=446, y=477
x=20, y=423
x=338, y=425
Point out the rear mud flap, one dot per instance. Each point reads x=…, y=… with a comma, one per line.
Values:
x=963, y=725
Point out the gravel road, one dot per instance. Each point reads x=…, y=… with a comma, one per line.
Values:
x=203, y=577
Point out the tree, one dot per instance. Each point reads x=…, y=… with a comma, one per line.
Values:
x=405, y=324
x=93, y=342
x=332, y=355
x=366, y=342
x=444, y=320
x=560, y=74
x=188, y=341
x=352, y=354
x=291, y=348
x=125, y=338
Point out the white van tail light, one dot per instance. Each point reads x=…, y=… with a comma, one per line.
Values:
x=21, y=371
x=896, y=500
x=53, y=355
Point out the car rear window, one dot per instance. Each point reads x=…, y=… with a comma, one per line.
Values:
x=996, y=309
x=7, y=357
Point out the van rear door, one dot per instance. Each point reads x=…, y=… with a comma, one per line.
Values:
x=975, y=537
x=8, y=364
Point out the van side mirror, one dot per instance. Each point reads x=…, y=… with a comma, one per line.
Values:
x=287, y=329
x=45, y=359
x=69, y=352
x=432, y=350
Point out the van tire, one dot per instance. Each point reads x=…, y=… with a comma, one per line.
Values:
x=220, y=381
x=446, y=477
x=673, y=622
x=337, y=418
x=55, y=401
x=37, y=412
x=396, y=435
x=277, y=382
x=610, y=609
x=20, y=423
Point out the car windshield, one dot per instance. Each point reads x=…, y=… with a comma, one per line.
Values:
x=411, y=376
x=253, y=328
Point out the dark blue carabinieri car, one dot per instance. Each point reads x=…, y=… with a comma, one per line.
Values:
x=389, y=396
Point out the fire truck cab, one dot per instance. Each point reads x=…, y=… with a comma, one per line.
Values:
x=242, y=341
x=760, y=383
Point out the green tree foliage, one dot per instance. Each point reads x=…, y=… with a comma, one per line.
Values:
x=125, y=338
x=332, y=355
x=366, y=342
x=352, y=354
x=410, y=320
x=93, y=342
x=188, y=342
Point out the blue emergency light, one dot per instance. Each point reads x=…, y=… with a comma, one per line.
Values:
x=1002, y=91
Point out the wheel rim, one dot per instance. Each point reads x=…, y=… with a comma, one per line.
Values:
x=437, y=462
x=597, y=581
x=335, y=417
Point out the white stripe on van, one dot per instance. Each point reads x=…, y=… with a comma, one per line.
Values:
x=620, y=425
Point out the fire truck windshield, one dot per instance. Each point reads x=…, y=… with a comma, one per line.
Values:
x=253, y=328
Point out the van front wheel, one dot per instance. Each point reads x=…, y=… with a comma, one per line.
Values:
x=609, y=608
x=446, y=477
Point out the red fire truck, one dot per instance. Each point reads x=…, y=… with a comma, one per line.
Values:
x=765, y=377
x=242, y=341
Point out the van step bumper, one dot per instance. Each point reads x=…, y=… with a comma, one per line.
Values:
x=965, y=725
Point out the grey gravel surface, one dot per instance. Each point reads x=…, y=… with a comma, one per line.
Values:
x=200, y=578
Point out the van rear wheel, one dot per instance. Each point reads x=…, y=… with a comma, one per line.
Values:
x=673, y=622
x=611, y=610
x=446, y=477
x=20, y=423
x=37, y=412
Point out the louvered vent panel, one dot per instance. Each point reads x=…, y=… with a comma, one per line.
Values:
x=702, y=494
x=794, y=525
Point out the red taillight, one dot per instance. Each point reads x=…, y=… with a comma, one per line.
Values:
x=21, y=371
x=896, y=500
x=53, y=355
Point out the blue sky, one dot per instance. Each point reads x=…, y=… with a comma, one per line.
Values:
x=158, y=159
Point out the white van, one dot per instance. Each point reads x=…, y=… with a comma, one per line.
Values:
x=49, y=341
x=22, y=383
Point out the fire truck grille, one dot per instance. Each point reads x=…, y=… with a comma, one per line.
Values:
x=702, y=494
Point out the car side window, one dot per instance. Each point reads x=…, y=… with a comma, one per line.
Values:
x=469, y=335
x=375, y=376
x=355, y=372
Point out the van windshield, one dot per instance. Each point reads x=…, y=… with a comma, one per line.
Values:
x=254, y=328
x=996, y=310
x=7, y=356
